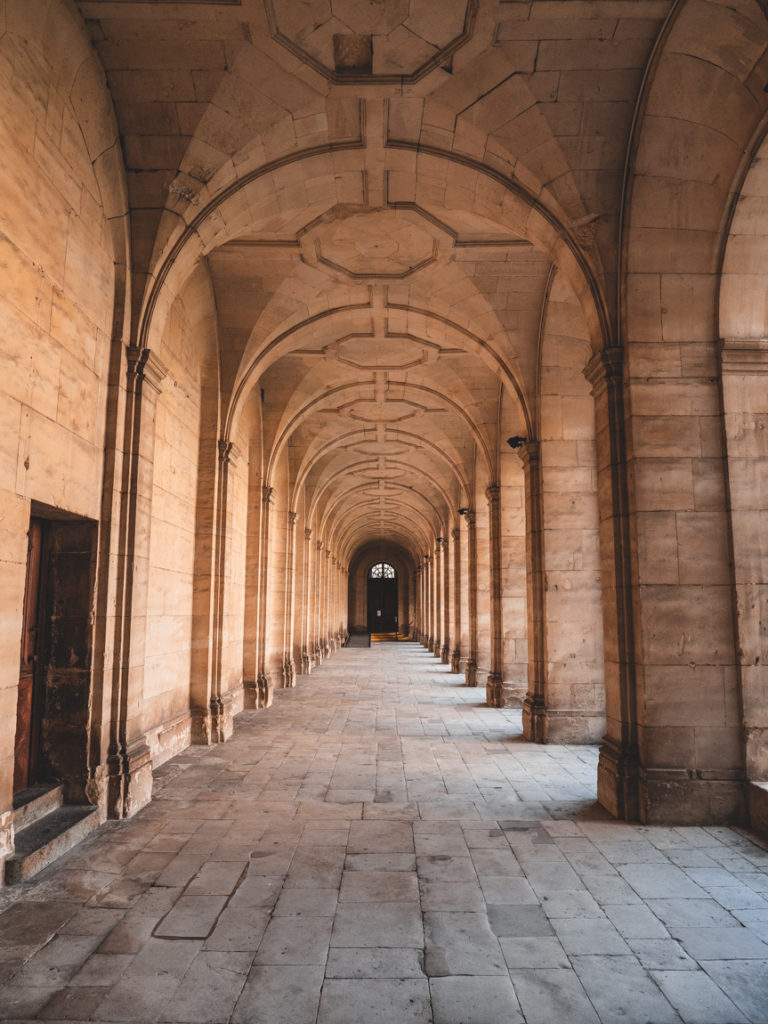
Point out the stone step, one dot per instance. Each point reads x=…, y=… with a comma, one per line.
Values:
x=31, y=804
x=47, y=839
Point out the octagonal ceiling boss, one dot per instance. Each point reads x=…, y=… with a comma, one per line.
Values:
x=372, y=40
x=389, y=243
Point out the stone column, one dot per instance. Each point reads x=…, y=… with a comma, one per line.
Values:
x=262, y=679
x=417, y=603
x=493, y=686
x=289, y=667
x=430, y=603
x=470, y=669
x=438, y=589
x=317, y=647
x=334, y=603
x=326, y=639
x=618, y=766
x=129, y=764
x=535, y=703
x=219, y=725
x=456, y=652
x=445, y=650
x=306, y=639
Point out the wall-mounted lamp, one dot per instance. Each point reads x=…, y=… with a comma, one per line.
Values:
x=516, y=441
x=440, y=539
x=463, y=511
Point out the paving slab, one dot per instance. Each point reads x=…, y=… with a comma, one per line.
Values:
x=380, y=845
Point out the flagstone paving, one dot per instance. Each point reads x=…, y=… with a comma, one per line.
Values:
x=380, y=846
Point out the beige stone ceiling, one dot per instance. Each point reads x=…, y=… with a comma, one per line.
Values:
x=325, y=159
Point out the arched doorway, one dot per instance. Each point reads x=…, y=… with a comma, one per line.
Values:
x=382, y=598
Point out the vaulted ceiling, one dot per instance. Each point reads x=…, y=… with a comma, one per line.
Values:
x=382, y=191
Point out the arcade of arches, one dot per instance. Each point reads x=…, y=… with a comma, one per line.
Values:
x=475, y=288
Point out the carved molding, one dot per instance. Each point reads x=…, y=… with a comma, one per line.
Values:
x=744, y=355
x=228, y=452
x=145, y=365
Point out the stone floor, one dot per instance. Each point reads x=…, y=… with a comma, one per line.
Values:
x=381, y=847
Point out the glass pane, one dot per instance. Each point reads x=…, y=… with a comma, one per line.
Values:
x=382, y=571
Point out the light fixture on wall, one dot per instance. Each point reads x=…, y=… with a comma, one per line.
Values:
x=440, y=539
x=517, y=441
x=463, y=511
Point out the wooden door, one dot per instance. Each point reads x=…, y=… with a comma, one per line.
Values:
x=26, y=740
x=382, y=605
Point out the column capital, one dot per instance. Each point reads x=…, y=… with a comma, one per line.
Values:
x=493, y=494
x=144, y=364
x=267, y=495
x=228, y=452
x=292, y=517
x=529, y=453
x=455, y=533
x=319, y=545
x=605, y=367
x=469, y=515
x=307, y=533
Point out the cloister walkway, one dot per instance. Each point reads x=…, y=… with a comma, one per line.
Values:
x=380, y=846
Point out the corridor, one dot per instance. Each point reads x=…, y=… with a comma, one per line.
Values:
x=381, y=847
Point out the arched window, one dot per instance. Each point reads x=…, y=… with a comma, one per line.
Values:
x=382, y=571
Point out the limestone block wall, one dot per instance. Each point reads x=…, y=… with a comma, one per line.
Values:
x=56, y=305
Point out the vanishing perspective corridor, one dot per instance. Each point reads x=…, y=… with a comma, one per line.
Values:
x=383, y=847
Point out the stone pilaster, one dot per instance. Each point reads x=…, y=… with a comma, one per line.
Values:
x=263, y=684
x=129, y=764
x=535, y=703
x=212, y=717
x=493, y=687
x=456, y=651
x=618, y=774
x=470, y=668
x=289, y=666
x=317, y=650
x=306, y=658
x=445, y=650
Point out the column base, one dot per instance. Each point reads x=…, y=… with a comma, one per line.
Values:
x=214, y=724
x=445, y=654
x=289, y=674
x=129, y=786
x=456, y=660
x=431, y=645
x=470, y=673
x=493, y=691
x=306, y=662
x=534, y=720
x=6, y=841
x=683, y=796
x=257, y=693
x=757, y=795
x=618, y=783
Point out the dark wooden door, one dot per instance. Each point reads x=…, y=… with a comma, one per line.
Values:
x=26, y=740
x=382, y=605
